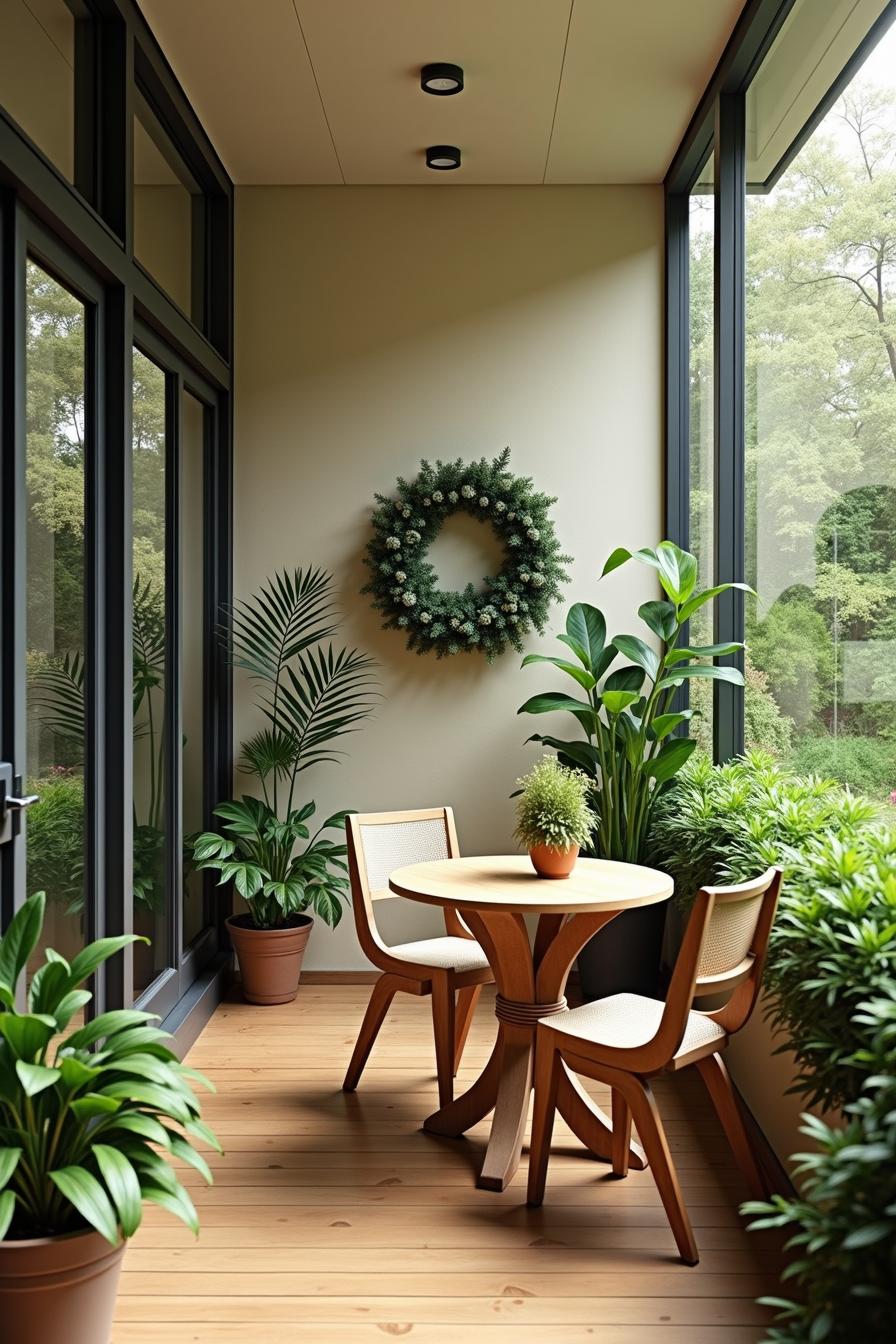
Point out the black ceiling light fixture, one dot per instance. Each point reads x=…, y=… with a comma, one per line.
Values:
x=441, y=79
x=443, y=157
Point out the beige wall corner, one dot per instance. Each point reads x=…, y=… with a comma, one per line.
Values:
x=376, y=326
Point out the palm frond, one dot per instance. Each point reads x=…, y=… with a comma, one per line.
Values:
x=329, y=695
x=57, y=692
x=288, y=613
x=149, y=634
x=269, y=752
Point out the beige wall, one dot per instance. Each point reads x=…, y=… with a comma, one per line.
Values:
x=379, y=325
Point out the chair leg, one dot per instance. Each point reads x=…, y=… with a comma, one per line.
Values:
x=548, y=1064
x=724, y=1098
x=639, y=1095
x=466, y=1007
x=622, y=1133
x=443, y=1015
x=383, y=993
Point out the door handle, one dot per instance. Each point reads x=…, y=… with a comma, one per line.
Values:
x=12, y=803
x=19, y=804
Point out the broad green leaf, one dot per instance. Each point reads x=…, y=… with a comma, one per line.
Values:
x=625, y=679
x=660, y=618
x=122, y=1184
x=198, y=1129
x=94, y=1104
x=702, y=651
x=551, y=701
x=48, y=985
x=670, y=758
x=106, y=1025
x=586, y=625
x=664, y=724
x=579, y=674
x=145, y=1125
x=618, y=557
x=181, y=1149
x=863, y=1236
x=161, y=1099
x=72, y=1003
x=9, y=1159
x=179, y=1203
x=578, y=649
x=641, y=654
x=7, y=1209
x=35, y=1077
x=20, y=939
x=84, y=1191
x=582, y=754
x=616, y=701
x=28, y=1034
x=94, y=954
x=699, y=599
x=75, y=1074
x=733, y=675
x=678, y=571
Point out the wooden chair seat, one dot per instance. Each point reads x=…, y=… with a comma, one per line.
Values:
x=451, y=969
x=444, y=954
x=627, y=1021
x=626, y=1040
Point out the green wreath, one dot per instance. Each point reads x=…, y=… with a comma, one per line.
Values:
x=512, y=602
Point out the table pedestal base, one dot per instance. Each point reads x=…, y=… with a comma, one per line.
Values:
x=530, y=983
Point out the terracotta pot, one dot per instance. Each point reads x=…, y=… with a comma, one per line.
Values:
x=550, y=862
x=270, y=960
x=59, y=1288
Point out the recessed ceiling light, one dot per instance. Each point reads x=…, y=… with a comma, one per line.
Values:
x=443, y=157
x=441, y=79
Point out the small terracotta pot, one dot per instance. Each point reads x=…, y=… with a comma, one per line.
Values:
x=270, y=959
x=554, y=863
x=59, y=1288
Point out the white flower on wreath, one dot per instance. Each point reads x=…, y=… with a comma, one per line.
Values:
x=409, y=599
x=453, y=496
x=393, y=543
x=405, y=511
x=427, y=502
x=400, y=576
x=525, y=576
x=500, y=507
x=438, y=496
x=467, y=491
x=483, y=501
x=511, y=517
x=537, y=580
x=526, y=520
x=454, y=623
x=412, y=537
x=425, y=617
x=533, y=534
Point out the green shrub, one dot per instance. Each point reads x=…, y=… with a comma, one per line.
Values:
x=845, y=1215
x=553, y=807
x=56, y=840
x=866, y=764
x=765, y=727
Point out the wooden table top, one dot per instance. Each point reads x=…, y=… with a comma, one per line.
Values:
x=509, y=882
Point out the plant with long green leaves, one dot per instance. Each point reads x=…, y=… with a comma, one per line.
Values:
x=88, y=1123
x=311, y=695
x=629, y=748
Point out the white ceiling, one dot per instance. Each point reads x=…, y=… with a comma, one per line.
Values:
x=557, y=91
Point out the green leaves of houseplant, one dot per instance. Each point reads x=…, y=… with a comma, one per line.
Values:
x=627, y=717
x=310, y=695
x=86, y=1133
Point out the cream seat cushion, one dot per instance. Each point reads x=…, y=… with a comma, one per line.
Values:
x=448, y=954
x=626, y=1021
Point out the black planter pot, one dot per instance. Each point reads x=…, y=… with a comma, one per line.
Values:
x=624, y=958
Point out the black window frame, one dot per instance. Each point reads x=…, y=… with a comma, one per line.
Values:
x=82, y=231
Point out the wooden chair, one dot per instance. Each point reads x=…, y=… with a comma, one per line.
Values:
x=625, y=1040
x=453, y=965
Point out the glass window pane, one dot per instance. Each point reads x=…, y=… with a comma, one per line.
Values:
x=37, y=75
x=821, y=430
x=149, y=442
x=163, y=208
x=54, y=614
x=192, y=447
x=700, y=293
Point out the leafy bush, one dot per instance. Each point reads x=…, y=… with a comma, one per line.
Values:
x=87, y=1123
x=845, y=1215
x=56, y=840
x=866, y=764
x=766, y=729
x=553, y=808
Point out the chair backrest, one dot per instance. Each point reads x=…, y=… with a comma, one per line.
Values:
x=380, y=842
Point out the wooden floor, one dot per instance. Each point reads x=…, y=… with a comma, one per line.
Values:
x=333, y=1218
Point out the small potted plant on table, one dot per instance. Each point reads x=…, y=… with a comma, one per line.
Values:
x=310, y=694
x=553, y=817
x=87, y=1125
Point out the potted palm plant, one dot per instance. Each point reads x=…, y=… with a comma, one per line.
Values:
x=88, y=1124
x=310, y=695
x=553, y=817
x=629, y=743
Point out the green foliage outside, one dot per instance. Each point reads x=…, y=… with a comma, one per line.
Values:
x=553, y=807
x=831, y=985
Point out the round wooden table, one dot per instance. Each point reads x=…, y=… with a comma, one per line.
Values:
x=492, y=895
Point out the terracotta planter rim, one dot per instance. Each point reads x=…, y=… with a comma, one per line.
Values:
x=303, y=921
x=32, y=1243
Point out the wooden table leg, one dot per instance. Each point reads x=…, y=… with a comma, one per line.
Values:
x=473, y=1105
x=505, y=1143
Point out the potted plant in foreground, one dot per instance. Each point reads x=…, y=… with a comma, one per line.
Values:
x=628, y=746
x=553, y=817
x=88, y=1124
x=310, y=695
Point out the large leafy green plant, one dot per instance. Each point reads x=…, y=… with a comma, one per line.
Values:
x=553, y=807
x=310, y=695
x=629, y=748
x=88, y=1123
